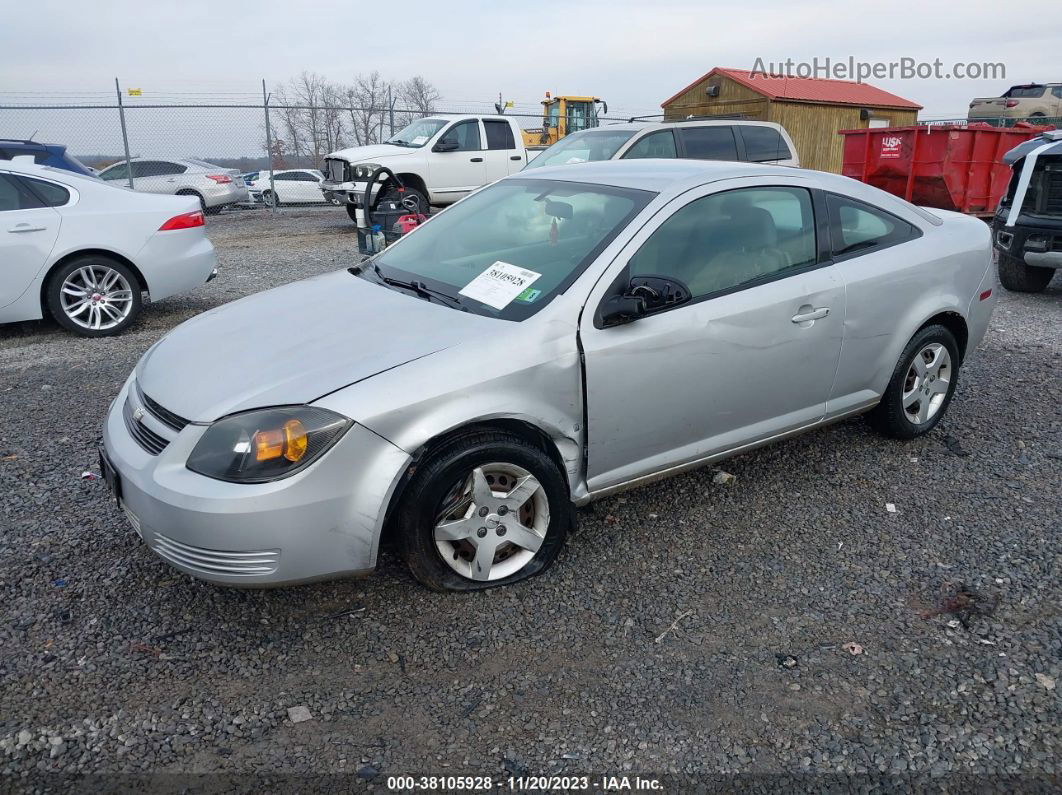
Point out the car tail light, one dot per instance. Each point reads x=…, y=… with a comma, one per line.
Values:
x=184, y=221
x=221, y=179
x=1012, y=103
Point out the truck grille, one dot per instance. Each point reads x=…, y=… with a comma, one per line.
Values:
x=143, y=435
x=335, y=170
x=1053, y=192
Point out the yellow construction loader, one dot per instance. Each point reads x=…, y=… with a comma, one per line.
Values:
x=560, y=116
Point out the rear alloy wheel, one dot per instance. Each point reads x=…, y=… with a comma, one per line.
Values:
x=94, y=296
x=1018, y=277
x=921, y=387
x=487, y=509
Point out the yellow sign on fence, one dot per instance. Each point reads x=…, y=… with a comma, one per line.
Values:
x=135, y=92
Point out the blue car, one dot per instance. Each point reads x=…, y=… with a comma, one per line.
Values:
x=43, y=154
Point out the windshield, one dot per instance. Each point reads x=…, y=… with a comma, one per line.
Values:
x=549, y=228
x=582, y=147
x=418, y=133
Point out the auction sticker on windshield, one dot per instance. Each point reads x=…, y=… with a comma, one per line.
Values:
x=499, y=284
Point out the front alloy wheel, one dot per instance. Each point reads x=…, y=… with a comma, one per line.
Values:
x=484, y=509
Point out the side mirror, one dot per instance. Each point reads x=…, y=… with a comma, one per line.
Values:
x=445, y=146
x=619, y=309
x=643, y=296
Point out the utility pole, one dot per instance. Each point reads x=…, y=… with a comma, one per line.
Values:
x=391, y=105
x=269, y=146
x=125, y=135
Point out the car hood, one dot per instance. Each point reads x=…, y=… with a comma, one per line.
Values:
x=362, y=154
x=294, y=344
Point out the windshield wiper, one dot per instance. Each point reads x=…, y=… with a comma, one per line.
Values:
x=420, y=288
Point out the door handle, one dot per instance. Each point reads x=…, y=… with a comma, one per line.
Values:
x=26, y=228
x=814, y=314
x=516, y=157
x=476, y=159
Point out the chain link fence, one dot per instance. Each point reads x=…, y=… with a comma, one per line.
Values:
x=248, y=136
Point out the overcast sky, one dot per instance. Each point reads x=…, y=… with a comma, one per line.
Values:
x=633, y=54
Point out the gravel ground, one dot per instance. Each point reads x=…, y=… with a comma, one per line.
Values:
x=659, y=644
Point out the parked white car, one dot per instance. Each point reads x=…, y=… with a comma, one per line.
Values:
x=699, y=139
x=289, y=186
x=215, y=187
x=439, y=160
x=83, y=251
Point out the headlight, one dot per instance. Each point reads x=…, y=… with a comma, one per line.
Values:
x=266, y=444
x=364, y=170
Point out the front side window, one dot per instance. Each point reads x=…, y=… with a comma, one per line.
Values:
x=583, y=147
x=726, y=240
x=466, y=134
x=709, y=143
x=658, y=144
x=14, y=195
x=856, y=227
x=552, y=228
x=763, y=143
x=499, y=134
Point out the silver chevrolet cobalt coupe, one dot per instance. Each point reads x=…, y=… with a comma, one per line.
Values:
x=555, y=337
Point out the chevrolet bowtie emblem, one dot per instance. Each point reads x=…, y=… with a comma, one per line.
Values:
x=138, y=414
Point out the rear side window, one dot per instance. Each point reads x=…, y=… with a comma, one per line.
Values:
x=763, y=143
x=858, y=228
x=658, y=144
x=499, y=135
x=709, y=143
x=15, y=195
x=51, y=195
x=1026, y=92
x=156, y=168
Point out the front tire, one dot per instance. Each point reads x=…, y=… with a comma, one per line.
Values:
x=94, y=296
x=921, y=386
x=270, y=199
x=486, y=509
x=1018, y=277
x=352, y=211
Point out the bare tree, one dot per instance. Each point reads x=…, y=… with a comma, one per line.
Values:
x=367, y=106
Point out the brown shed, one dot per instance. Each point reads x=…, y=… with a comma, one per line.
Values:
x=811, y=109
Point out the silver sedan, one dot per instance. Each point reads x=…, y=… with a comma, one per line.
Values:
x=558, y=336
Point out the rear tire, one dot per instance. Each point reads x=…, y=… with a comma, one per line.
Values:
x=921, y=386
x=1018, y=277
x=451, y=522
x=94, y=296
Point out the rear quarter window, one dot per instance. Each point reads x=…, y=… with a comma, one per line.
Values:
x=709, y=143
x=763, y=143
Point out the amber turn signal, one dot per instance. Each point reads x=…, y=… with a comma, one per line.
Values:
x=268, y=445
x=295, y=441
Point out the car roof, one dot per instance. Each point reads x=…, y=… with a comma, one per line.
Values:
x=660, y=125
x=48, y=172
x=657, y=175
x=671, y=177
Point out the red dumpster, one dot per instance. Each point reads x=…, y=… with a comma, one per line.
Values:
x=950, y=166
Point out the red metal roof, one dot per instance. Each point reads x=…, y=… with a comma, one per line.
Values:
x=807, y=89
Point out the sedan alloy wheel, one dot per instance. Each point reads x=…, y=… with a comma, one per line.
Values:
x=96, y=297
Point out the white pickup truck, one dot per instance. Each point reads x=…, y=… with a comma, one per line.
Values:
x=439, y=159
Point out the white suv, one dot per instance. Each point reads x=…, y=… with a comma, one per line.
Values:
x=748, y=141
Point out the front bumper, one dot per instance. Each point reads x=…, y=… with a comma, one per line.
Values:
x=1034, y=241
x=352, y=193
x=320, y=523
